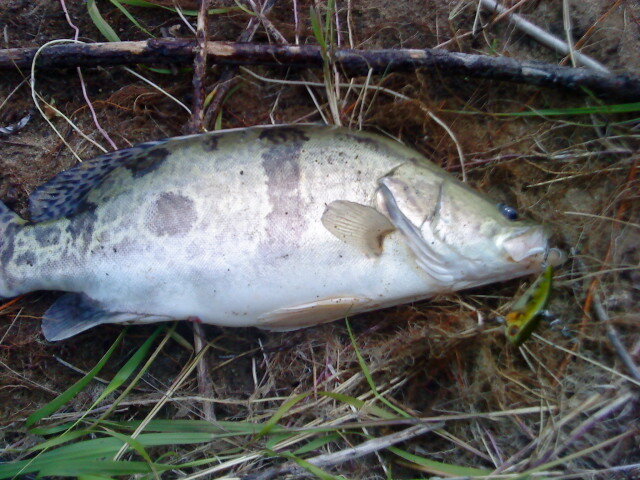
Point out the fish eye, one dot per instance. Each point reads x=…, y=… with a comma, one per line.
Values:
x=508, y=212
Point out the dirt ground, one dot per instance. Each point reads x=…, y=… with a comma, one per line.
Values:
x=574, y=173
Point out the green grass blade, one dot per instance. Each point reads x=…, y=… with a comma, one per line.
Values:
x=439, y=468
x=76, y=388
x=99, y=467
x=367, y=374
x=331, y=6
x=243, y=8
x=317, y=443
x=44, y=431
x=135, y=444
x=554, y=112
x=60, y=439
x=95, y=450
x=104, y=446
x=129, y=368
x=75, y=469
x=134, y=381
x=100, y=23
x=318, y=32
x=281, y=412
x=276, y=438
x=597, y=109
x=193, y=426
x=290, y=403
x=131, y=18
x=192, y=13
x=94, y=477
x=317, y=471
x=218, y=124
x=360, y=405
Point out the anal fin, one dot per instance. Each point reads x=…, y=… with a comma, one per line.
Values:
x=74, y=313
x=313, y=313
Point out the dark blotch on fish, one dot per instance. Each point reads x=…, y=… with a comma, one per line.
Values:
x=278, y=136
x=150, y=162
x=6, y=243
x=7, y=249
x=281, y=163
x=81, y=227
x=362, y=140
x=210, y=144
x=171, y=215
x=26, y=258
x=47, y=236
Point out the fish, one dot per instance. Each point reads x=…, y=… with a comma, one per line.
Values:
x=277, y=227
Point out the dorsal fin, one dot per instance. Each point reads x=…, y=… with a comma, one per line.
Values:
x=65, y=193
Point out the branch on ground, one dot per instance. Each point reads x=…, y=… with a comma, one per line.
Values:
x=351, y=62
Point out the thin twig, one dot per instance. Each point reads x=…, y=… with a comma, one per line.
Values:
x=35, y=96
x=544, y=37
x=588, y=360
x=592, y=29
x=12, y=92
x=603, y=317
x=579, y=431
x=566, y=20
x=455, y=141
x=76, y=35
x=157, y=87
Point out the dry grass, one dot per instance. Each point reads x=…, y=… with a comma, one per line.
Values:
x=562, y=406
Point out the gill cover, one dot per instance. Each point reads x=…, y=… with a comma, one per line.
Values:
x=412, y=202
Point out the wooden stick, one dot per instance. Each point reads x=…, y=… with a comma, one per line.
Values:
x=205, y=385
x=351, y=62
x=200, y=68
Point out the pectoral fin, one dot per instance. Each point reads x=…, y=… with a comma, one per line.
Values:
x=314, y=313
x=358, y=225
x=76, y=312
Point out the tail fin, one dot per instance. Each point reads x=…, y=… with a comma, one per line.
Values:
x=9, y=224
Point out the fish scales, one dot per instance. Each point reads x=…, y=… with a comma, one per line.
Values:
x=279, y=227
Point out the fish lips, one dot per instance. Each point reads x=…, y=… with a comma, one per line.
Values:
x=531, y=246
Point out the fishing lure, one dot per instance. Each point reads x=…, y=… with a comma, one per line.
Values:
x=526, y=312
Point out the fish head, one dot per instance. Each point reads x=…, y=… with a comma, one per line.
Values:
x=459, y=236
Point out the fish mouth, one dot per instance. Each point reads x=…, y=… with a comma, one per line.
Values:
x=531, y=246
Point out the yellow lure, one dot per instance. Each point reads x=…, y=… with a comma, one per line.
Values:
x=525, y=316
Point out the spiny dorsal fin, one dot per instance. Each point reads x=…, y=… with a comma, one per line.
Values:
x=65, y=194
x=8, y=217
x=358, y=225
